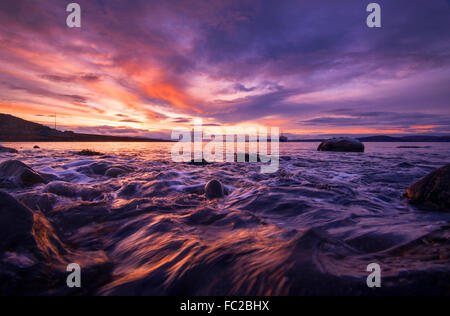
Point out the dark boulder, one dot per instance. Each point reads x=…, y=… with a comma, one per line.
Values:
x=19, y=174
x=214, y=189
x=96, y=168
x=342, y=144
x=245, y=157
x=38, y=202
x=115, y=172
x=8, y=150
x=89, y=153
x=194, y=162
x=33, y=257
x=72, y=190
x=36, y=147
x=16, y=224
x=432, y=189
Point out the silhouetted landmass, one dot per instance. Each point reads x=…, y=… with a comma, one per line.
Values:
x=406, y=139
x=13, y=129
x=389, y=139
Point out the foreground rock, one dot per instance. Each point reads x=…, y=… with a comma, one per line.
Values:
x=214, y=189
x=16, y=223
x=33, y=258
x=15, y=173
x=342, y=144
x=8, y=150
x=433, y=189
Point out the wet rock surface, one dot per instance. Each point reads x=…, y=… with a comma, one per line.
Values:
x=214, y=189
x=432, y=189
x=8, y=150
x=202, y=162
x=16, y=223
x=16, y=173
x=115, y=172
x=343, y=144
x=33, y=257
x=89, y=153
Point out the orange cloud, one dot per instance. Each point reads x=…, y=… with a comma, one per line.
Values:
x=171, y=94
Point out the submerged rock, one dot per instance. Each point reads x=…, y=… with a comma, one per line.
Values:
x=8, y=150
x=198, y=163
x=96, y=168
x=433, y=189
x=214, y=189
x=342, y=144
x=89, y=153
x=245, y=157
x=19, y=174
x=38, y=202
x=71, y=190
x=115, y=172
x=99, y=168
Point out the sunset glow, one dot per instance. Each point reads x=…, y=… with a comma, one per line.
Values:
x=309, y=68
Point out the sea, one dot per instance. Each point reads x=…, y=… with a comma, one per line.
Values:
x=311, y=228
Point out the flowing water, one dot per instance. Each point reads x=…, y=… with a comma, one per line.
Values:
x=310, y=228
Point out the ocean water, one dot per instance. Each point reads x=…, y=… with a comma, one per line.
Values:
x=311, y=228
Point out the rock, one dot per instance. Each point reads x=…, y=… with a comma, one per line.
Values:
x=198, y=163
x=342, y=144
x=284, y=139
x=433, y=189
x=89, y=153
x=37, y=147
x=16, y=223
x=115, y=172
x=38, y=202
x=64, y=189
x=71, y=190
x=33, y=258
x=241, y=157
x=8, y=150
x=99, y=168
x=214, y=189
x=405, y=165
x=19, y=174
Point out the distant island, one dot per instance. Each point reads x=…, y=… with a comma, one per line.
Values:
x=14, y=129
x=389, y=139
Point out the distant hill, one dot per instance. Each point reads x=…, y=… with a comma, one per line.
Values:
x=13, y=129
x=406, y=139
x=390, y=139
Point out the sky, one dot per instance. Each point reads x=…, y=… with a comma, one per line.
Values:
x=146, y=67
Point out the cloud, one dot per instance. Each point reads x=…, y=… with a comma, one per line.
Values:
x=408, y=122
x=130, y=121
x=118, y=131
x=71, y=78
